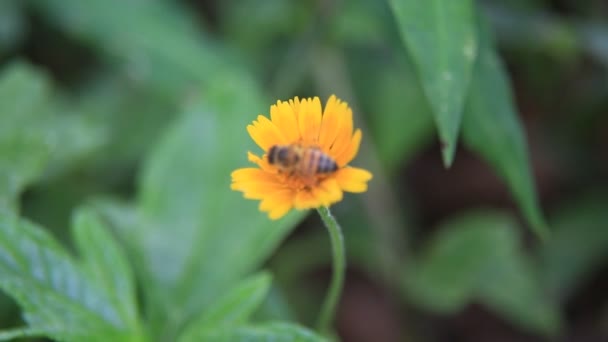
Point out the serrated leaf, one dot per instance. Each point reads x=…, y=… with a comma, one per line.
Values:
x=477, y=257
x=198, y=236
x=232, y=308
x=277, y=331
x=491, y=128
x=99, y=254
x=195, y=236
x=441, y=39
x=54, y=291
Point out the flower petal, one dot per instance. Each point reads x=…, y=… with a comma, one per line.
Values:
x=344, y=134
x=256, y=190
x=277, y=203
x=265, y=133
x=251, y=174
x=331, y=122
x=328, y=192
x=255, y=183
x=262, y=162
x=295, y=106
x=353, y=179
x=309, y=121
x=285, y=119
x=351, y=151
x=279, y=211
x=305, y=200
x=277, y=198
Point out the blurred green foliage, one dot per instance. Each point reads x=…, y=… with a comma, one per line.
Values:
x=123, y=120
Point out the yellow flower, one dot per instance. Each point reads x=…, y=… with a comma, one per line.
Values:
x=302, y=125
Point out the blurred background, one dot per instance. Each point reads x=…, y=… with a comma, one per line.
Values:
x=434, y=254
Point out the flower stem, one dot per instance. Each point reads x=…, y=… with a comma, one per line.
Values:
x=328, y=310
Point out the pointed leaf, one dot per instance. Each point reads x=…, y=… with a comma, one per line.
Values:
x=24, y=96
x=55, y=294
x=194, y=236
x=12, y=334
x=491, y=128
x=477, y=257
x=277, y=331
x=100, y=253
x=441, y=39
x=198, y=236
x=233, y=308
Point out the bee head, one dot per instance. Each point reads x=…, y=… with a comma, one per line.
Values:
x=272, y=154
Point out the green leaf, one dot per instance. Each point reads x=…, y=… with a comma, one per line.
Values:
x=440, y=37
x=24, y=96
x=59, y=296
x=276, y=307
x=120, y=107
x=35, y=134
x=578, y=246
x=194, y=236
x=491, y=128
x=197, y=236
x=276, y=331
x=232, y=308
x=12, y=334
x=477, y=257
x=99, y=254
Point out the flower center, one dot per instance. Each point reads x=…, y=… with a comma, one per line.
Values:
x=301, y=183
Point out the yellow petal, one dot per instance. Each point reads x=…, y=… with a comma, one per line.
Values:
x=344, y=135
x=265, y=133
x=305, y=200
x=256, y=190
x=285, y=119
x=251, y=174
x=254, y=158
x=353, y=179
x=279, y=211
x=276, y=199
x=332, y=121
x=328, y=192
x=277, y=204
x=351, y=151
x=309, y=120
x=295, y=106
x=262, y=163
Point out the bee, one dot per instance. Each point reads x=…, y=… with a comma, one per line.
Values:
x=305, y=162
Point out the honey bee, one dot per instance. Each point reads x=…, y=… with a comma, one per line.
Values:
x=305, y=162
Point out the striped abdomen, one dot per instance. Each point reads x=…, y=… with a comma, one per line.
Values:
x=303, y=161
x=314, y=161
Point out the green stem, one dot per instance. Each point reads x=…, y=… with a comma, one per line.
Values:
x=328, y=310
